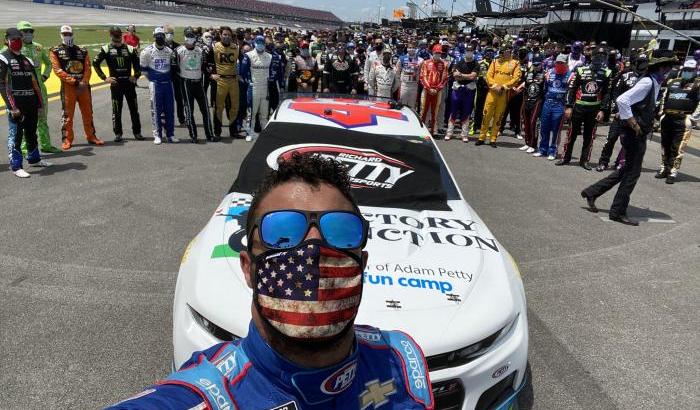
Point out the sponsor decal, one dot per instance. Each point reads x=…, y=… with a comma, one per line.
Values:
x=226, y=364
x=432, y=230
x=340, y=380
x=372, y=337
x=367, y=168
x=500, y=371
x=591, y=87
x=415, y=368
x=347, y=114
x=292, y=405
x=376, y=394
x=428, y=284
x=214, y=393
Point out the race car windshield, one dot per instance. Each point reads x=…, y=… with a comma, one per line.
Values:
x=387, y=171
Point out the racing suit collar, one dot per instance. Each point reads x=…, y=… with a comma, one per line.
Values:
x=314, y=386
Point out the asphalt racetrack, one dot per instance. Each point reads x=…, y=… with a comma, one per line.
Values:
x=91, y=249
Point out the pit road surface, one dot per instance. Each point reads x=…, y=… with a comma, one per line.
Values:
x=92, y=248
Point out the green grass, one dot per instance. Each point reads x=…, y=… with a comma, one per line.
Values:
x=88, y=35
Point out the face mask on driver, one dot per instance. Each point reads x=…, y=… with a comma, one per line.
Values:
x=469, y=56
x=310, y=292
x=15, y=45
x=190, y=41
x=169, y=37
x=259, y=47
x=160, y=40
x=28, y=37
x=560, y=68
x=687, y=75
x=304, y=52
x=67, y=40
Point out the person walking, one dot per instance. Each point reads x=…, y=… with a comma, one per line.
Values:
x=637, y=108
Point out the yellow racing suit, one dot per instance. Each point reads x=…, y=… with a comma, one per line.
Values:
x=503, y=74
x=225, y=60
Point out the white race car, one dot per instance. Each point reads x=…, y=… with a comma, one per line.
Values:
x=435, y=271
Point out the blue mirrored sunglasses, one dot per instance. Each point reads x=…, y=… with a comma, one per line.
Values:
x=287, y=228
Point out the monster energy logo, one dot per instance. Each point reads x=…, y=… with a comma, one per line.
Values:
x=120, y=61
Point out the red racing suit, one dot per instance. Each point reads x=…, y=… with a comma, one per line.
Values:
x=433, y=77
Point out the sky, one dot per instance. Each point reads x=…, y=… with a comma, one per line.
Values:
x=367, y=10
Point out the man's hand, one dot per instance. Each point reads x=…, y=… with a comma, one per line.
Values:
x=16, y=113
x=567, y=114
x=600, y=116
x=635, y=126
x=353, y=91
x=111, y=80
x=133, y=79
x=44, y=77
x=432, y=91
x=215, y=77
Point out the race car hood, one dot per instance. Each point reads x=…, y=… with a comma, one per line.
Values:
x=438, y=275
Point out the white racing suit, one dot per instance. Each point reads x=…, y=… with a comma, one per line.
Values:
x=408, y=69
x=259, y=75
x=383, y=80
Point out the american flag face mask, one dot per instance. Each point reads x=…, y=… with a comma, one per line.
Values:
x=309, y=292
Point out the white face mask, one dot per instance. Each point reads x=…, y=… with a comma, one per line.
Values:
x=169, y=37
x=259, y=47
x=190, y=41
x=67, y=40
x=208, y=41
x=469, y=56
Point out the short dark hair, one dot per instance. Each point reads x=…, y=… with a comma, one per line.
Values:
x=309, y=168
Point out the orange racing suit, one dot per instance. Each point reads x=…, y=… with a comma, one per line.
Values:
x=72, y=66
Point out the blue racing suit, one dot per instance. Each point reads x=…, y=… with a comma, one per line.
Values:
x=552, y=111
x=385, y=367
x=157, y=65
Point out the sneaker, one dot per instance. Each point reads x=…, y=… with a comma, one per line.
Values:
x=530, y=150
x=447, y=137
x=562, y=162
x=518, y=136
x=138, y=137
x=41, y=164
x=662, y=173
x=50, y=150
x=465, y=139
x=479, y=142
x=157, y=140
x=538, y=154
x=493, y=144
x=21, y=173
x=551, y=158
x=601, y=167
x=524, y=148
x=118, y=138
x=173, y=140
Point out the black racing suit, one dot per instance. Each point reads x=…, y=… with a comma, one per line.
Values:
x=123, y=64
x=340, y=74
x=679, y=102
x=589, y=92
x=626, y=81
x=19, y=88
x=179, y=106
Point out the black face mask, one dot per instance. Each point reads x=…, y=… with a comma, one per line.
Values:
x=160, y=41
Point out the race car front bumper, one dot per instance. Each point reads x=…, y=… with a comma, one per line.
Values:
x=491, y=381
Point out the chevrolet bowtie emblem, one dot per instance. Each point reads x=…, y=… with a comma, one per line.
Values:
x=376, y=393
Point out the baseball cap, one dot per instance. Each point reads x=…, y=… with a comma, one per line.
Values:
x=562, y=58
x=158, y=30
x=66, y=30
x=115, y=30
x=260, y=39
x=12, y=33
x=692, y=64
x=24, y=25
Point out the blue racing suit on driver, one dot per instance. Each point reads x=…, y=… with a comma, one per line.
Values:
x=386, y=370
x=157, y=64
x=556, y=87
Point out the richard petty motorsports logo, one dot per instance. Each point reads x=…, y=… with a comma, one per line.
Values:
x=367, y=168
x=347, y=113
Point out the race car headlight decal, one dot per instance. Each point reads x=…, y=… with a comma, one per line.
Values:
x=212, y=328
x=467, y=354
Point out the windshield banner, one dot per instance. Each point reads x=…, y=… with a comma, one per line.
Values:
x=384, y=171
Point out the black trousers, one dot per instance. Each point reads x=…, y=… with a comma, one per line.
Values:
x=585, y=117
x=479, y=107
x=193, y=90
x=627, y=176
x=614, y=132
x=514, y=107
x=273, y=95
x=179, y=106
x=672, y=132
x=23, y=128
x=125, y=90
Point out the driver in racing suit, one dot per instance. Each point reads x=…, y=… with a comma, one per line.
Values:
x=408, y=68
x=340, y=73
x=433, y=77
x=224, y=61
x=290, y=358
x=257, y=69
x=304, y=70
x=157, y=61
x=37, y=53
x=383, y=81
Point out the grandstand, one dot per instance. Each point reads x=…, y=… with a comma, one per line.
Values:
x=263, y=12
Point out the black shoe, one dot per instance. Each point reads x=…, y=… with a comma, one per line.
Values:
x=591, y=202
x=216, y=138
x=138, y=137
x=671, y=179
x=585, y=166
x=623, y=219
x=493, y=144
x=193, y=140
x=601, y=167
x=660, y=174
x=479, y=142
x=118, y=138
x=562, y=162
